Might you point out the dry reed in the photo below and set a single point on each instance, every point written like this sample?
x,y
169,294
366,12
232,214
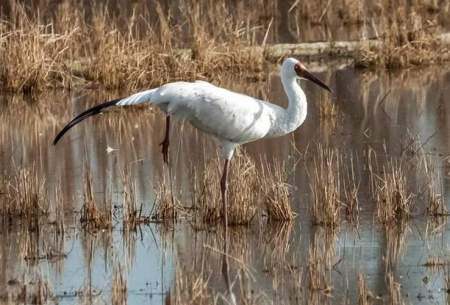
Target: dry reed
x,y
394,290
334,187
67,44
321,259
242,196
396,240
77,44
132,215
408,38
167,206
119,290
365,297
276,190
25,195
190,288
325,187
436,206
92,217
394,201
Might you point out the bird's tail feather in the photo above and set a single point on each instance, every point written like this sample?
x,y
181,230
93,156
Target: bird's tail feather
x,y
84,115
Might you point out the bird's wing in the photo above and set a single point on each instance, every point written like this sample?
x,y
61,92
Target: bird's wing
x,y
225,114
137,98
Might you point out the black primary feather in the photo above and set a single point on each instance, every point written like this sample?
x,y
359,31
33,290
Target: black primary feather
x,y
84,115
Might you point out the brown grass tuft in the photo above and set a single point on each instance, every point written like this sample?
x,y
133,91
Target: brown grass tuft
x,y
394,201
394,290
119,293
276,190
365,297
167,206
92,217
190,288
76,44
132,215
436,206
334,187
243,191
325,187
407,38
25,195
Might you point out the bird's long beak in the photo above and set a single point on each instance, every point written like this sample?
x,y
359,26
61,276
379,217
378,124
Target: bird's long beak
x,y
306,74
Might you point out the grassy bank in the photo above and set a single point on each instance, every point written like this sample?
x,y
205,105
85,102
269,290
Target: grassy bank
x,y
144,45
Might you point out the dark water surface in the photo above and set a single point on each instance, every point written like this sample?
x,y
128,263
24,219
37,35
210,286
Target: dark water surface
x,y
395,115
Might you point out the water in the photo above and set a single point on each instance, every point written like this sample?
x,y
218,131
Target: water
x,y
392,114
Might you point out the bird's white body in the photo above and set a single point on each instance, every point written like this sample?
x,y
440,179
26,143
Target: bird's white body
x,y
232,118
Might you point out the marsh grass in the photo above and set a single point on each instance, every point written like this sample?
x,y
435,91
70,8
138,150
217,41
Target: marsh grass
x,y
31,53
390,190
69,44
35,290
243,191
25,195
365,297
408,38
434,189
133,216
93,217
277,237
325,187
191,287
394,290
334,187
321,259
328,111
75,45
396,240
119,289
167,206
435,262
276,191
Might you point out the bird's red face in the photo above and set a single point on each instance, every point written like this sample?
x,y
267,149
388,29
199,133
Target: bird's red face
x,y
302,72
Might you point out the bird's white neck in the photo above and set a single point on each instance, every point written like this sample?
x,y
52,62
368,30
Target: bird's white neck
x,y
295,114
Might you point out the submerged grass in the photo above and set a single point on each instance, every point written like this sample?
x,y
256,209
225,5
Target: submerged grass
x,y
394,201
190,287
92,216
277,194
325,188
394,290
365,297
334,187
390,189
243,191
119,290
25,195
133,216
167,206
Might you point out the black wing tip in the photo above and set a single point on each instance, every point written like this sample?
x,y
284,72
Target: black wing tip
x,y
56,140
84,115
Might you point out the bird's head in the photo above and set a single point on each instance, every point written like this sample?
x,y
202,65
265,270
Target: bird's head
x,y
292,68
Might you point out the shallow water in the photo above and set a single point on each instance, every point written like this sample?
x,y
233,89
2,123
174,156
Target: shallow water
x,y
392,114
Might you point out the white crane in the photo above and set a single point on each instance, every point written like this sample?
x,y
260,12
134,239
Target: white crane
x,y
231,118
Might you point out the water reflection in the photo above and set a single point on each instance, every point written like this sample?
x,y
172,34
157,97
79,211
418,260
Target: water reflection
x,y
294,263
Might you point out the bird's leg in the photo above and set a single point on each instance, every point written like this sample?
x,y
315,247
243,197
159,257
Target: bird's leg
x,y
223,188
166,141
